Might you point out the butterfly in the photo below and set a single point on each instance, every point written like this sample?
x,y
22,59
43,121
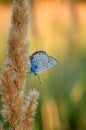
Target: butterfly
x,y
40,62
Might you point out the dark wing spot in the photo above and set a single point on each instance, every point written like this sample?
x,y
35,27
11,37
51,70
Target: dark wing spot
x,y
36,67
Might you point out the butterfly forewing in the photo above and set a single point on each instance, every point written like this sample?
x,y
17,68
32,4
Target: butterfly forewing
x,y
40,62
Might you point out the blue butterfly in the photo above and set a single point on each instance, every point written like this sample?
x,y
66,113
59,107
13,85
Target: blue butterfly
x,y
40,62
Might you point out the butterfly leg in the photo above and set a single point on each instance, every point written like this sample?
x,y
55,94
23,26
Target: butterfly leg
x,y
39,79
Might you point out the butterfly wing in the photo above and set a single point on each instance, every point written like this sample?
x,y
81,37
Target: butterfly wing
x,y
40,62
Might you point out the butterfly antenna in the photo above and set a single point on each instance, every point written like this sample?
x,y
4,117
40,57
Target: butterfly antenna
x,y
39,79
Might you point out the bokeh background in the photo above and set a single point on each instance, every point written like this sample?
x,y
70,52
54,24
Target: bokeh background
x,y
59,28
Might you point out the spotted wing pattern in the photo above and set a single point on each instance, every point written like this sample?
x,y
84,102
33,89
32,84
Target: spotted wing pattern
x,y
41,61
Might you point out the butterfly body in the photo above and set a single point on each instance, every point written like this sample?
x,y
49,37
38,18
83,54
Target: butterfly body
x,y
41,62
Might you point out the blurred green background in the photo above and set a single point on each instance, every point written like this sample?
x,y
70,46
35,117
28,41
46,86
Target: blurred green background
x,y
59,28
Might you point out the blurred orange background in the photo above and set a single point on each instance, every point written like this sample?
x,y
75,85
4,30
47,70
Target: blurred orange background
x,y
59,28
